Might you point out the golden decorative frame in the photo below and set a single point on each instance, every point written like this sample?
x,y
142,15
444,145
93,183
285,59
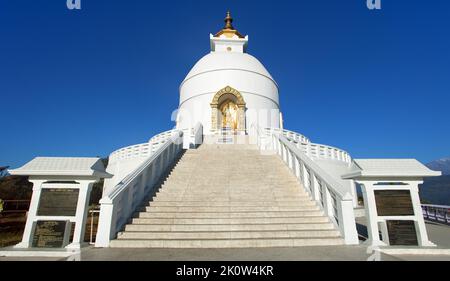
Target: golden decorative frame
x,y
239,102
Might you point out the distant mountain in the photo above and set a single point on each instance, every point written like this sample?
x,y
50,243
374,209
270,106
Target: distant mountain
x,y
442,165
436,190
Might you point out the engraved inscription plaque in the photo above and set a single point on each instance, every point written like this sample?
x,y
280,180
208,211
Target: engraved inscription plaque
x,y
394,203
58,202
49,234
402,232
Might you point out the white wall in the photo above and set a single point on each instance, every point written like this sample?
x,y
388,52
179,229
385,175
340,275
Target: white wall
x,y
260,94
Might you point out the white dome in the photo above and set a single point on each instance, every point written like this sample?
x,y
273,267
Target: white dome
x,y
228,66
228,61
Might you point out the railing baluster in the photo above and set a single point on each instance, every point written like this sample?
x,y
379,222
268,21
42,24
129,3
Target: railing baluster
x,y
436,213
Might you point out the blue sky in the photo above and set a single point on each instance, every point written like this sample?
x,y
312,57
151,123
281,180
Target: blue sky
x,y
86,82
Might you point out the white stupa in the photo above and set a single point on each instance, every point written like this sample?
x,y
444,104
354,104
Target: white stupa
x,y
180,190
229,88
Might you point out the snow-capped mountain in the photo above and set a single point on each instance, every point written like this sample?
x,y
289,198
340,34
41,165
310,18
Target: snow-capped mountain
x,y
442,165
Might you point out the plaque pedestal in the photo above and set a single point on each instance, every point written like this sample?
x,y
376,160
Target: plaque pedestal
x,y
60,200
378,223
391,200
78,216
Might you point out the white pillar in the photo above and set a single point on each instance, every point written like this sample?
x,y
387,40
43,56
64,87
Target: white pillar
x,y
31,217
371,214
347,220
81,214
106,223
422,235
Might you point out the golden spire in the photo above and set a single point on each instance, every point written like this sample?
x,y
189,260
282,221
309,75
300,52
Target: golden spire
x,y
228,21
228,30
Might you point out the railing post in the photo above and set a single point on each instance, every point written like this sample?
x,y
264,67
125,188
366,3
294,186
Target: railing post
x,y
307,181
290,160
152,176
301,172
347,223
327,201
284,153
314,187
106,223
142,184
297,167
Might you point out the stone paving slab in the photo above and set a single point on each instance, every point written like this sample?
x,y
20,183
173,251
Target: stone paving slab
x,y
315,253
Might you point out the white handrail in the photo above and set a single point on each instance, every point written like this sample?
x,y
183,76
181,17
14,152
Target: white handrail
x,y
289,134
313,150
324,189
142,149
437,206
119,204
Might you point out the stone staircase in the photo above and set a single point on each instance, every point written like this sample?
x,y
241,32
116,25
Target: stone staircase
x,y
229,196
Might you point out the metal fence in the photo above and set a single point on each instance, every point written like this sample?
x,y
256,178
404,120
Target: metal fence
x,y
436,213
93,225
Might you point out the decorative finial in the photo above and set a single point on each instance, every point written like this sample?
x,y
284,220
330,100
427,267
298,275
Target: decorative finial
x,y
228,21
229,31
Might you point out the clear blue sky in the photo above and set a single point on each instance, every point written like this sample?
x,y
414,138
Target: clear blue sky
x,y
84,83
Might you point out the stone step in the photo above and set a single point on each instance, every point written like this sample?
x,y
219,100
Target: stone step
x,y
310,219
220,215
232,196
237,203
236,189
225,243
184,170
241,189
227,208
213,199
229,227
228,234
224,195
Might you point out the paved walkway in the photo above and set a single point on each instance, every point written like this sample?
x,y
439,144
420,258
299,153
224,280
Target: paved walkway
x,y
316,253
322,253
439,234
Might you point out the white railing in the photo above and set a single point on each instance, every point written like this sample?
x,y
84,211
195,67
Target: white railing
x,y
288,134
132,151
141,150
313,150
193,136
119,204
437,213
331,196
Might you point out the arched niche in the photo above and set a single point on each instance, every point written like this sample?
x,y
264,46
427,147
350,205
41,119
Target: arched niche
x,y
230,97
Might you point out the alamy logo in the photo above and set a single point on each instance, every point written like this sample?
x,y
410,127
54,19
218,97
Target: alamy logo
x,y
374,4
74,4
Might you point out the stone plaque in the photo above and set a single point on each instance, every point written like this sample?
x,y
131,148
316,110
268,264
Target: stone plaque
x,y
402,233
394,203
58,202
49,234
